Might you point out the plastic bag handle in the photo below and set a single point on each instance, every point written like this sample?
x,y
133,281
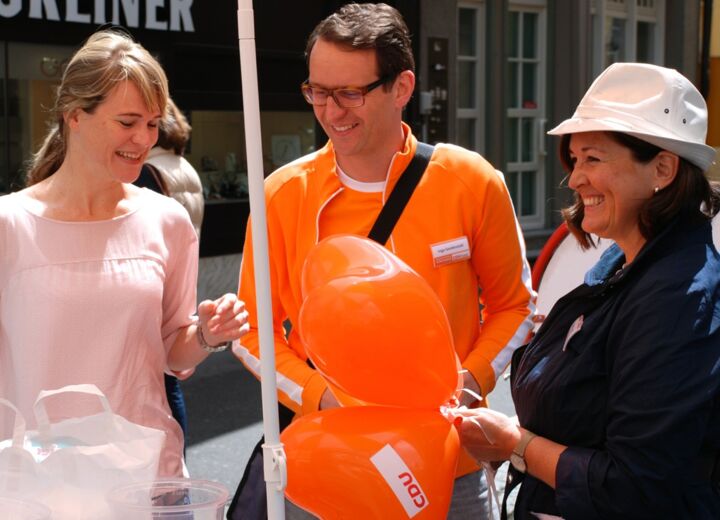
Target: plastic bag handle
x,y
41,415
18,438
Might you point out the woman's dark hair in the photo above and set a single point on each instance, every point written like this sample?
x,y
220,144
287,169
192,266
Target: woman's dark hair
x,y
376,27
690,197
174,131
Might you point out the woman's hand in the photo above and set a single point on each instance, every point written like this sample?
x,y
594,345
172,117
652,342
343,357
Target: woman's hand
x,y
220,321
487,435
224,319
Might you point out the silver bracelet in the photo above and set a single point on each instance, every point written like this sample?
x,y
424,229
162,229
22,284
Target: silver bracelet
x,y
205,345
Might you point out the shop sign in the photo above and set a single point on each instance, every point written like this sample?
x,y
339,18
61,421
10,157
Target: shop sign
x,y
159,15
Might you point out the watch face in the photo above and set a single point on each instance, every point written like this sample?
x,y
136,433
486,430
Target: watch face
x,y
518,462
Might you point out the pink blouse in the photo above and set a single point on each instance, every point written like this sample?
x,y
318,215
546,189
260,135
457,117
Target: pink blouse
x,y
96,302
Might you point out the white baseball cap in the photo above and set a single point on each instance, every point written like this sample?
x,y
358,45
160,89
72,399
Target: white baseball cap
x,y
652,103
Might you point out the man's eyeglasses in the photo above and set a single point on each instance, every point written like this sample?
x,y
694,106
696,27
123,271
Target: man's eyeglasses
x,y
345,97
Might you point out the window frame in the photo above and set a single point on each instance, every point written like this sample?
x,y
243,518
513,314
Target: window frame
x,y
538,114
632,13
475,114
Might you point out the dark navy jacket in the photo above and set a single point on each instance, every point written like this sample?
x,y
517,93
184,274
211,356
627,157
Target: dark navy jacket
x,y
625,371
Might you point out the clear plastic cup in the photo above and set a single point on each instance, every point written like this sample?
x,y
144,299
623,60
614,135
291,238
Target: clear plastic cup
x,y
170,499
20,509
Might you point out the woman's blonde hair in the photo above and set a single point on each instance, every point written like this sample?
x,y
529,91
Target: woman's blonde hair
x,y
107,58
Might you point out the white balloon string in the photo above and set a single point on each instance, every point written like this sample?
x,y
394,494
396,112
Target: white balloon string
x,y
474,394
494,495
451,413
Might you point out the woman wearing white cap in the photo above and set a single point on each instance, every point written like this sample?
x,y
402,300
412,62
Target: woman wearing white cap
x,y
618,394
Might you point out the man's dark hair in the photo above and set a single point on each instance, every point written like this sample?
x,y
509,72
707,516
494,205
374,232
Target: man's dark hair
x,y
690,197
369,26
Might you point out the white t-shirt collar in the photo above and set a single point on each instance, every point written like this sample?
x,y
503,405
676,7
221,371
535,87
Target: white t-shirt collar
x,y
353,184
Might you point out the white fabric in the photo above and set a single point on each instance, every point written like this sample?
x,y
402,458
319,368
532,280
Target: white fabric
x,y
182,181
363,187
566,270
96,302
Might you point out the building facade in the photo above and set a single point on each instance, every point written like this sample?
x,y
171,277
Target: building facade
x,y
493,76
515,69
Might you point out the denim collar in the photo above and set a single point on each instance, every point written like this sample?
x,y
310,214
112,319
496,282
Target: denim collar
x,y
609,263
610,266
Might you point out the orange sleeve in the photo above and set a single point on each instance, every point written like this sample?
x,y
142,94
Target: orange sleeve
x,y
299,386
506,296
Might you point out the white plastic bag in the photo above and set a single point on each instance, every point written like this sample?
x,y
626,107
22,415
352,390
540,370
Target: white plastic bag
x,y
73,463
18,469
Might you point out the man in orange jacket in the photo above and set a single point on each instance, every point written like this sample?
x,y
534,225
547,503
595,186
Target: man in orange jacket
x,y
360,79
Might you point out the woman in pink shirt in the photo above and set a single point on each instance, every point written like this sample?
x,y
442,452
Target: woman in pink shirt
x,y
97,276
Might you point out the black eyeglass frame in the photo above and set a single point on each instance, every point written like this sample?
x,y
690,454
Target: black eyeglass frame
x,y
306,86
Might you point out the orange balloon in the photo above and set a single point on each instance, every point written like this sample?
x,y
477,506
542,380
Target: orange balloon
x,y
378,331
338,256
460,381
343,398
372,462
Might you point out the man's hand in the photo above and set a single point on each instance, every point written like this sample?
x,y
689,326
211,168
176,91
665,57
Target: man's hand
x,y
469,383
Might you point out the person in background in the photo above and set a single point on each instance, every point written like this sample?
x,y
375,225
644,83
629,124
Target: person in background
x,y
618,394
168,172
97,276
361,77
181,180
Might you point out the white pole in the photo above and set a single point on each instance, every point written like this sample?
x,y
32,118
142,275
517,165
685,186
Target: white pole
x,y
273,453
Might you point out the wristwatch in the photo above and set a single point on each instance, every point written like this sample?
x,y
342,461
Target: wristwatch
x,y
517,457
207,347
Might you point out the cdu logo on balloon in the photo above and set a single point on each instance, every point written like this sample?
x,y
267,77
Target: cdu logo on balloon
x,y
401,480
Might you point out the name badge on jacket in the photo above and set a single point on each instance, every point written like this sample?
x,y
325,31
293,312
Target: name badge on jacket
x,y
450,251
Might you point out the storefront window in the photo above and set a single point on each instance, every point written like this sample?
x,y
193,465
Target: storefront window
x,y
33,73
200,57
217,147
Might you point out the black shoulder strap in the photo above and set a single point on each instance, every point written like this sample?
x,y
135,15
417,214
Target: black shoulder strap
x,y
401,193
151,178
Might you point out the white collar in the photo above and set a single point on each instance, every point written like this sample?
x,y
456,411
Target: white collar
x,y
353,184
